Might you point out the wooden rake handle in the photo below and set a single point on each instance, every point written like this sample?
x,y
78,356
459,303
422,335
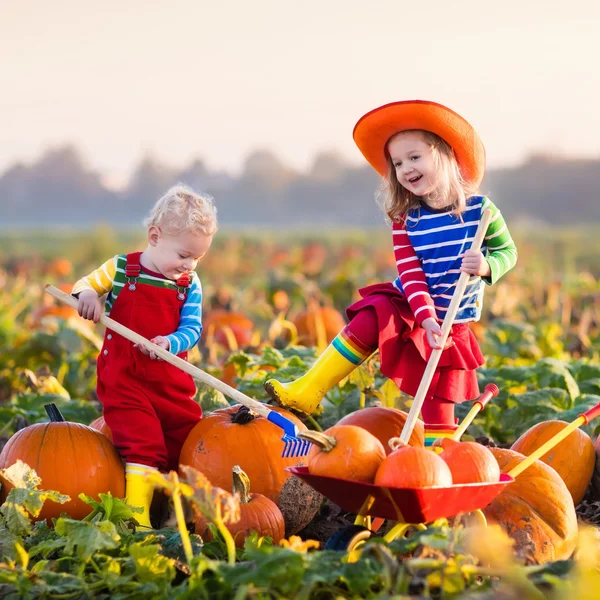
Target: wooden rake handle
x,y
167,356
434,358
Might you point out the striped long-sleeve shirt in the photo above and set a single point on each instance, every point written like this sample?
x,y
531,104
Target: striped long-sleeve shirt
x,y
429,246
110,278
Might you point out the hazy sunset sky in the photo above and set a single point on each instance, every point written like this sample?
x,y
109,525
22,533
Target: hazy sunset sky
x,y
214,80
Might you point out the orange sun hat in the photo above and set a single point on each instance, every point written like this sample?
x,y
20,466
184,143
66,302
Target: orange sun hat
x,y
374,129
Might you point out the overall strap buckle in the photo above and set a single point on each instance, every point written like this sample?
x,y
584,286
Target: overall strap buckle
x,y
132,270
182,284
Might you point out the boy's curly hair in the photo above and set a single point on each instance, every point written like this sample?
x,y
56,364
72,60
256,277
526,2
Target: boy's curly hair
x,y
181,209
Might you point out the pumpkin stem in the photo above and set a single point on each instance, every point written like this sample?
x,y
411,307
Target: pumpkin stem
x,y
325,442
243,416
241,484
53,413
395,443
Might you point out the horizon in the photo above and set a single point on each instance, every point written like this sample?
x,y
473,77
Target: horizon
x,y
123,81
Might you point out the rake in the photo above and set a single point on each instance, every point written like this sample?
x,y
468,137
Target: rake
x,y
292,444
436,354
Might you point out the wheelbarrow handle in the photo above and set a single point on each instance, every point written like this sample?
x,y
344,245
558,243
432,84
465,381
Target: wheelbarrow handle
x,y
582,419
434,358
167,356
491,391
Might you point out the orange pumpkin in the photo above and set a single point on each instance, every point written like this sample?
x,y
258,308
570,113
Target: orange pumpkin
x,y
573,458
469,462
345,452
315,319
536,510
70,458
229,329
413,467
257,513
100,425
234,436
384,424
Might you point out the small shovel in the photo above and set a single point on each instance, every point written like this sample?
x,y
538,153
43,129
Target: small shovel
x,y
293,445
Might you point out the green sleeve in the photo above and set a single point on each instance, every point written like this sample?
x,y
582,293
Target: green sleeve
x,y
501,250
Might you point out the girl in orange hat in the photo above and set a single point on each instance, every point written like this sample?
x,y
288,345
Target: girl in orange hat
x,y
432,162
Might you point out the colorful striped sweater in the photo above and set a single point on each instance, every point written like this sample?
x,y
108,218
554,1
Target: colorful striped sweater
x,y
110,278
429,246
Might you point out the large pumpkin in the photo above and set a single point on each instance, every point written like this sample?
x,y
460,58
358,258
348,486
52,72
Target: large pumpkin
x,y
70,458
100,425
234,436
536,510
257,513
573,458
385,423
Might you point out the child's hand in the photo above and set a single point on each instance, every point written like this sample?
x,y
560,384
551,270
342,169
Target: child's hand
x,y
474,263
159,340
89,305
434,331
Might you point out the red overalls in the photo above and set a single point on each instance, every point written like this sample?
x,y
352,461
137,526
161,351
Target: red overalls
x,y
148,404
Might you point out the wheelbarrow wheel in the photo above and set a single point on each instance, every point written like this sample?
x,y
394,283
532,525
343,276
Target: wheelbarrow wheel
x,y
348,538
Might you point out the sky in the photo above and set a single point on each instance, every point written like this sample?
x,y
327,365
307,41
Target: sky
x,y
186,79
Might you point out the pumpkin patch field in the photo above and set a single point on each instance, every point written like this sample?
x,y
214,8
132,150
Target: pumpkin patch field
x,y
233,521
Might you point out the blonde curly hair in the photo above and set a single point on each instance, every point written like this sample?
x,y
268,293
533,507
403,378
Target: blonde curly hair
x,y
181,209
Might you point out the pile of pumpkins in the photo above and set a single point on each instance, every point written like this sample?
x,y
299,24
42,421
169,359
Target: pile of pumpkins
x,y
537,509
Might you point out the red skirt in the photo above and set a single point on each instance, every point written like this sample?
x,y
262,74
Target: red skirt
x,y
404,351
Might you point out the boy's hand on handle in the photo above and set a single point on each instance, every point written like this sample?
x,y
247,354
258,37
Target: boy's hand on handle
x,y
89,305
433,331
474,263
159,340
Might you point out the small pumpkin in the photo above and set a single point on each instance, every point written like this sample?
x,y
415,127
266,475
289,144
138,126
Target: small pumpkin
x,y
229,329
384,423
413,467
100,425
536,510
317,322
573,458
235,436
345,452
469,462
70,458
257,513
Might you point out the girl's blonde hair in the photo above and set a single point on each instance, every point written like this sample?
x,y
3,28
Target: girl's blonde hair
x,y
181,210
396,200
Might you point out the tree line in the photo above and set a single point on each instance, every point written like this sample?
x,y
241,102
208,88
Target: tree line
x,y
60,189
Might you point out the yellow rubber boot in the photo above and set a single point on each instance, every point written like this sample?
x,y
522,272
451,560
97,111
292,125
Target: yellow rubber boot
x,y
139,491
338,360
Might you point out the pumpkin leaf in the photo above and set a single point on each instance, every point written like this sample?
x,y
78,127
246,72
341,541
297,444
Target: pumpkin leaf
x,y
211,399
85,538
17,519
25,498
553,373
150,566
590,386
7,543
21,475
109,508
